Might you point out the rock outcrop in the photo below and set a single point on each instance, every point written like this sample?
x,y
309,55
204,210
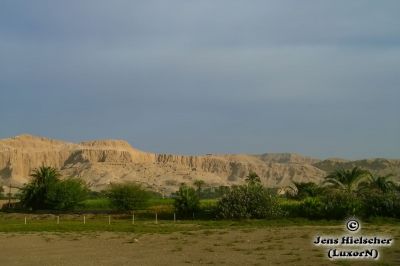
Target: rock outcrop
x,y
103,161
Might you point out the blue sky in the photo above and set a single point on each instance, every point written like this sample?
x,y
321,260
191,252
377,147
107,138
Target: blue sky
x,y
321,78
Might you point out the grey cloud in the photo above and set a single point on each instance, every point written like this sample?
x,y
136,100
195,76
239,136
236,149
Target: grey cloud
x,y
315,77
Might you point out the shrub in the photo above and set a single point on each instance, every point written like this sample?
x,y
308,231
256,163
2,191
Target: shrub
x,y
333,205
66,194
290,207
313,208
47,192
186,201
381,204
340,205
128,196
248,201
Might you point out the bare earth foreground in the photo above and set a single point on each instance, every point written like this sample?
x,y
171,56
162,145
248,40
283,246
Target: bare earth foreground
x,y
286,245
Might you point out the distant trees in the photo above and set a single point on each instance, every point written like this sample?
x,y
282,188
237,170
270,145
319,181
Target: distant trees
x,y
209,192
46,191
252,178
199,184
128,196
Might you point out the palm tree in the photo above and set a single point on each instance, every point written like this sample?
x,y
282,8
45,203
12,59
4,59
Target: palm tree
x,y
34,194
346,180
305,189
44,175
253,178
379,183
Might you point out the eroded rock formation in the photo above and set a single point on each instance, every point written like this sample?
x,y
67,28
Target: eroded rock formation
x,y
103,161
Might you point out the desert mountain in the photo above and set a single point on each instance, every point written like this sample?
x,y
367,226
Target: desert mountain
x,y
103,161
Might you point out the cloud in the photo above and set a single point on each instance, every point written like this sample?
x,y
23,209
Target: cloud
x,y
242,76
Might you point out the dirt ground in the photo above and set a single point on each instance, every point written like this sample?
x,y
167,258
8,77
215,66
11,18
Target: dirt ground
x,y
256,246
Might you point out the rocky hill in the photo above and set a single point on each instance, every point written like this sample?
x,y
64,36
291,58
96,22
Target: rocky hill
x,y
103,161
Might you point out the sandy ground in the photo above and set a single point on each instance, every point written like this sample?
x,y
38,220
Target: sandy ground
x,y
261,246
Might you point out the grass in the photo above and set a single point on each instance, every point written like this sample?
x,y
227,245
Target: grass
x,y
166,204
123,223
96,204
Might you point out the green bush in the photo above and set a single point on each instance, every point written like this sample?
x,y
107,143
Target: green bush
x,y
340,205
66,194
248,201
381,204
333,205
186,201
290,207
128,196
47,192
312,208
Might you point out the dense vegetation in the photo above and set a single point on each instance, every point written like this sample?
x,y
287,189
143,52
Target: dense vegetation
x,y
251,200
344,193
46,191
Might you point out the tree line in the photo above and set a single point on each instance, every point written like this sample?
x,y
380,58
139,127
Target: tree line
x,y
343,193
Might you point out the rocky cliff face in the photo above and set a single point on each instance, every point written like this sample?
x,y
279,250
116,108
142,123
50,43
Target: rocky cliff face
x,y
103,161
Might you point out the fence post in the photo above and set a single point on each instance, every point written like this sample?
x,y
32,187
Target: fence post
x,y
133,218
84,219
174,217
25,219
58,219
156,219
109,219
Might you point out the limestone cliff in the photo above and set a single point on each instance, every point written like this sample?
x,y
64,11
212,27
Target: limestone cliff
x,y
103,161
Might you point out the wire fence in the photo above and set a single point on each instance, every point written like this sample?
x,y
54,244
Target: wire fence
x,y
132,218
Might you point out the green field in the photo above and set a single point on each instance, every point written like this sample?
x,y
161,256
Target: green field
x,y
147,224
154,203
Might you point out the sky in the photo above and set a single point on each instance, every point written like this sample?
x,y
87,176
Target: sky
x,y
320,78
